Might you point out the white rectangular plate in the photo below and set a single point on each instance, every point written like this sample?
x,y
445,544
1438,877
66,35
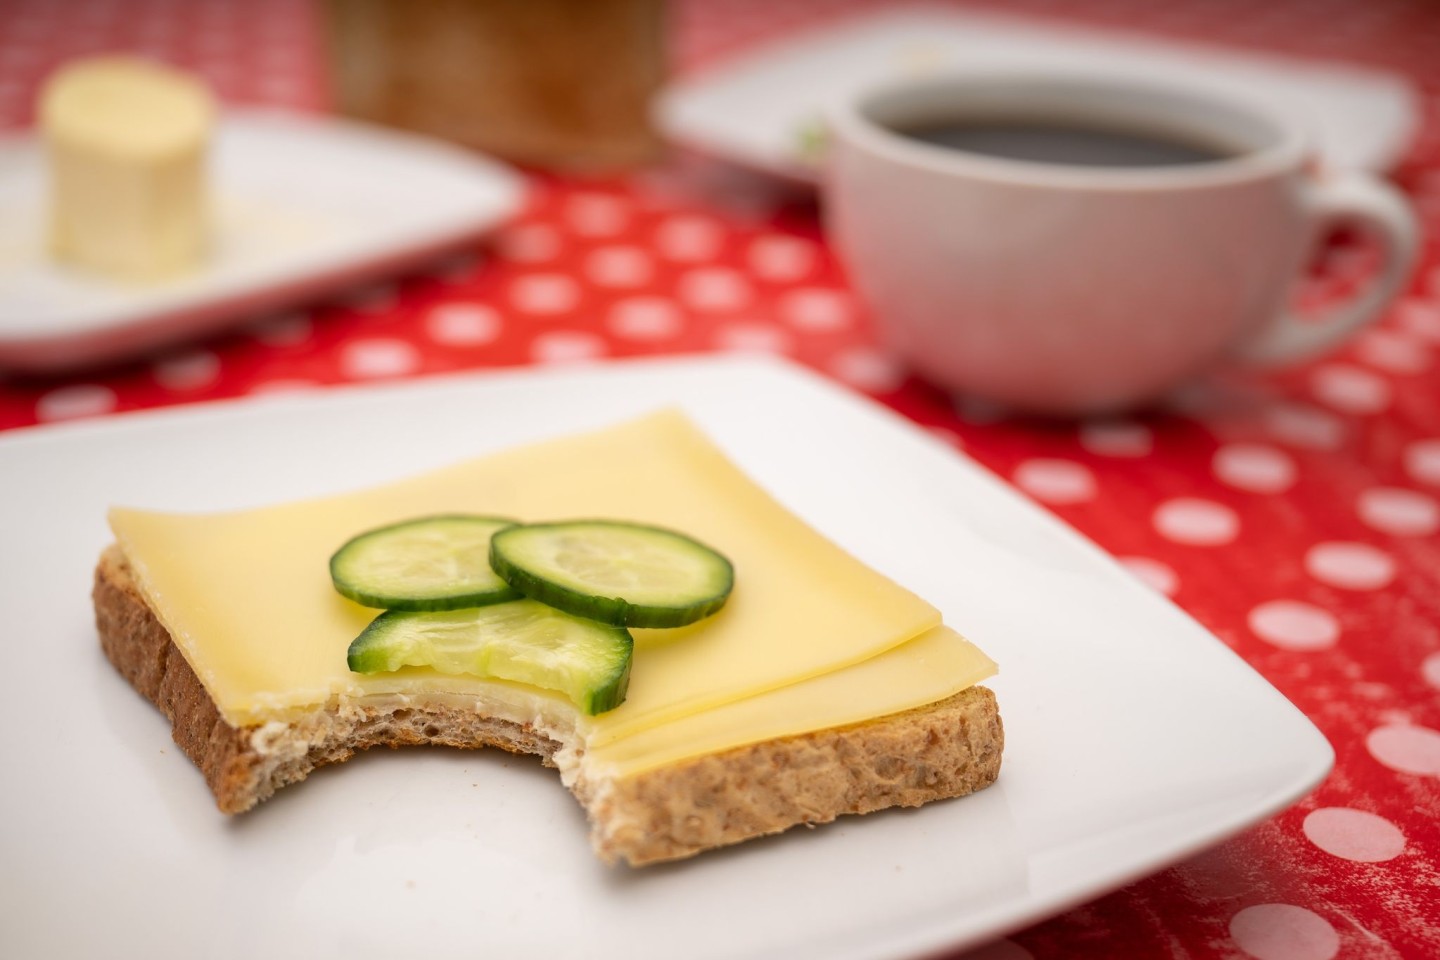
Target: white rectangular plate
x,y
1134,737
755,109
302,205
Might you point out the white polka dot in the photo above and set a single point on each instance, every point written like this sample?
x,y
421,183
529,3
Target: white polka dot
x,y
619,267
817,309
544,293
1280,931
463,324
645,318
1116,438
372,359
998,950
715,288
80,400
1292,625
1401,513
1350,389
372,300
1305,426
285,330
189,371
752,338
1406,748
567,346
529,243
1353,566
1200,523
1254,468
781,258
1422,461
1055,481
1154,574
1430,670
868,370
596,214
1420,319
1392,352
688,239
1354,834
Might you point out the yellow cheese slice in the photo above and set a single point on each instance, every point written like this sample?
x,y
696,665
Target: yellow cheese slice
x,y
126,141
931,667
247,595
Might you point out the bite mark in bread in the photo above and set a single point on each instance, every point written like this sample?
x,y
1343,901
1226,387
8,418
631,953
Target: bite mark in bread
x,y
941,750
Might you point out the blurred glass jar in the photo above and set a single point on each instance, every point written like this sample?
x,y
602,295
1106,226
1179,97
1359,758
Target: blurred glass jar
x,y
560,84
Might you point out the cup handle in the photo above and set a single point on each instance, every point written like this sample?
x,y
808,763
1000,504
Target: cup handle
x,y
1376,208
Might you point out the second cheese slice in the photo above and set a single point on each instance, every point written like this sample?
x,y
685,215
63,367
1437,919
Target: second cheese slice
x,y
931,667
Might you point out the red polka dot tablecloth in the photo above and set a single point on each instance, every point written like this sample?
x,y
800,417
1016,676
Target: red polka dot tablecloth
x,y
1296,516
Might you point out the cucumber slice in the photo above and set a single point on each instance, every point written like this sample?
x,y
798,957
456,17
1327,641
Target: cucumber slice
x,y
624,574
521,640
431,563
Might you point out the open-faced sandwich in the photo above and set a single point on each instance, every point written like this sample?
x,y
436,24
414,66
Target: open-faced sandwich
x,y
700,665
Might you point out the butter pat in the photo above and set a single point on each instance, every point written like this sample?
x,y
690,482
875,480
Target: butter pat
x,y
126,141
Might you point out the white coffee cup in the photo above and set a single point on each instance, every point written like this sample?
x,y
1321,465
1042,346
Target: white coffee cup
x,y
1074,289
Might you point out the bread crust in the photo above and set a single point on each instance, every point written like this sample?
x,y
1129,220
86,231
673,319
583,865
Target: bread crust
x,y
941,750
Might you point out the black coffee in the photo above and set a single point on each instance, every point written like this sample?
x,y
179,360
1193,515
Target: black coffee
x,y
1064,143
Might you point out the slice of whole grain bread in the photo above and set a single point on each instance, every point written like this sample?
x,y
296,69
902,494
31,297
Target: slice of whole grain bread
x,y
944,749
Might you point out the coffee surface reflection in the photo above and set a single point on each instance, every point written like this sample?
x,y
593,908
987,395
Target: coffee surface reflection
x,y
1064,142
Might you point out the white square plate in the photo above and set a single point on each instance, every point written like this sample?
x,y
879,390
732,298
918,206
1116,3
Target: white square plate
x,y
303,206
756,108
1134,737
